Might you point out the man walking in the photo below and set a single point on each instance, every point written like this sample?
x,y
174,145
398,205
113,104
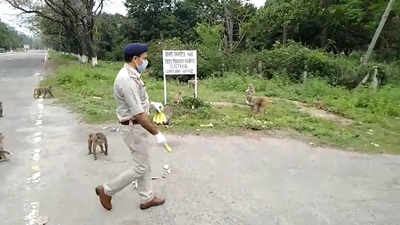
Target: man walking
x,y
136,129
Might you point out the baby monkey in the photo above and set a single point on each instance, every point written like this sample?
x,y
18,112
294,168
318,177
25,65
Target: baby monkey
x,y
257,103
97,139
3,152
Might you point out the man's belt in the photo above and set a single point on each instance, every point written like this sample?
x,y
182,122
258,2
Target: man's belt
x,y
126,123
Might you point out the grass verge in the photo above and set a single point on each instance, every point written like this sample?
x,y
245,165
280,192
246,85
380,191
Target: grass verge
x,y
376,115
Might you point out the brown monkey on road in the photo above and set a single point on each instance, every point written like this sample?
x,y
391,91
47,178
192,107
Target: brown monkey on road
x,y
97,139
46,91
3,152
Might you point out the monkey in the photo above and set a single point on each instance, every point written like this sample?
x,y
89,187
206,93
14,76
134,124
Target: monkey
x,y
97,139
47,91
3,152
178,98
257,103
1,109
169,112
38,92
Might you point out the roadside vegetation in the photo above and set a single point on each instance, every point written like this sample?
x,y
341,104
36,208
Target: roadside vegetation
x,y
375,115
309,57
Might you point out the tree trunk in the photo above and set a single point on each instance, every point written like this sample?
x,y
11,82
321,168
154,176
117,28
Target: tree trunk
x,y
94,61
260,67
323,4
324,36
226,44
90,47
375,82
364,80
305,74
91,42
228,27
378,32
85,59
285,34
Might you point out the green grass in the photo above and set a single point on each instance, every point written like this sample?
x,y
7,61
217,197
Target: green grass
x,y
376,114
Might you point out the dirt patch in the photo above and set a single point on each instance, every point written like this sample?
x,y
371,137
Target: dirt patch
x,y
321,113
228,104
301,106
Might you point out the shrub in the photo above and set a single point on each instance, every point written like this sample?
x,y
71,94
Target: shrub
x,y
193,103
293,59
244,62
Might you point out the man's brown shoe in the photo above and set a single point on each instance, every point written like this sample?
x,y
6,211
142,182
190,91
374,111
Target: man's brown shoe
x,y
105,200
154,202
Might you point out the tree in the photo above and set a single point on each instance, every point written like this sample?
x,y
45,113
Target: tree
x,y
111,35
337,26
378,31
9,38
160,19
77,17
236,14
149,18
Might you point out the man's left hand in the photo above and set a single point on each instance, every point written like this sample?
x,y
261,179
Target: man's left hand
x,y
157,106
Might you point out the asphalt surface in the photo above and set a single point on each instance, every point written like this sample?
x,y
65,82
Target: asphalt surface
x,y
214,179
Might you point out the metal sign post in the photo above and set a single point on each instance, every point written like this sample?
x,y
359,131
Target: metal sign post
x,y
165,89
195,85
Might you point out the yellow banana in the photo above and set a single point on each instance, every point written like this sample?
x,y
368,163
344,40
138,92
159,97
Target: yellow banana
x,y
156,118
167,148
159,118
163,118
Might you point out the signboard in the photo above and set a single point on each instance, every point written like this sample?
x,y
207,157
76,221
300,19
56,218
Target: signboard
x,y
179,62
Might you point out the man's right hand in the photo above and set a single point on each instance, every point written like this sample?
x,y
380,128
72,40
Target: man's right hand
x,y
149,126
160,138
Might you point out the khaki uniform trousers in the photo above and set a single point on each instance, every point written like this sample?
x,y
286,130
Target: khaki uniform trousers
x,y
139,142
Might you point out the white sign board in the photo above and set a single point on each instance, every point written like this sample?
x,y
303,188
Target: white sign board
x,y
179,62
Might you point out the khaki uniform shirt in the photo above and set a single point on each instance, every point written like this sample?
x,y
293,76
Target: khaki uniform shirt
x,y
130,94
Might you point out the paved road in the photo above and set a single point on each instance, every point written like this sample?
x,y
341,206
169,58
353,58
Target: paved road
x,y
215,180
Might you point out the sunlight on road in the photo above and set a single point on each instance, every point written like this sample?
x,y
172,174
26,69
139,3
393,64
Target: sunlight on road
x,y
32,208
